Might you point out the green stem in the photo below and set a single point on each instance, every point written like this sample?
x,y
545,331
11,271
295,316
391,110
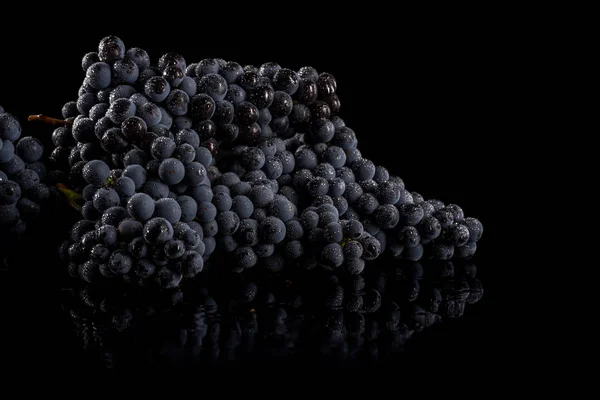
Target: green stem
x,y
73,197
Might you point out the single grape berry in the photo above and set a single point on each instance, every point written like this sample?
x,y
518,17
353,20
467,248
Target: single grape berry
x,y
29,149
326,84
411,214
366,204
245,257
174,248
253,159
272,230
174,75
185,153
167,278
386,216
371,247
98,111
106,235
246,113
286,80
261,195
319,109
157,231
10,192
157,89
213,85
409,236
171,60
294,249
465,251
231,71
119,92
171,171
120,110
445,217
150,113
163,148
212,145
177,102
282,104
96,172
124,187
442,251
7,151
141,206
206,129
333,232
307,91
457,212
124,71
352,250
457,234
87,60
281,208
133,128
228,222
207,66
308,73
475,229
268,69
98,75
317,186
111,49
332,255
168,209
140,57
105,198
190,263
261,95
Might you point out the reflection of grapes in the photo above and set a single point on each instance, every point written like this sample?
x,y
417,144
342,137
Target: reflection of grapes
x,y
270,318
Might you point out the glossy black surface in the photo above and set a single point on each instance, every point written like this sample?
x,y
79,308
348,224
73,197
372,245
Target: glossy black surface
x,y
262,318
395,312
433,124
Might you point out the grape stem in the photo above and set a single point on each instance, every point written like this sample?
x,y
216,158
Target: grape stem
x,y
73,197
49,120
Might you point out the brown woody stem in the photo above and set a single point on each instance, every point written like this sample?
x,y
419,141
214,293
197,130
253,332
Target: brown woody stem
x,y
48,120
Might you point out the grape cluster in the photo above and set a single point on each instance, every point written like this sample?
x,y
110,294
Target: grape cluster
x,y
256,160
135,228
268,191
375,208
308,201
22,192
266,317
125,103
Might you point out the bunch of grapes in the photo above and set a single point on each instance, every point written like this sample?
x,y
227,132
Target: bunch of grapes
x,y
22,192
262,316
133,229
255,160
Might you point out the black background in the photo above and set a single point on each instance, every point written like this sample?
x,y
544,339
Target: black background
x,y
429,102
